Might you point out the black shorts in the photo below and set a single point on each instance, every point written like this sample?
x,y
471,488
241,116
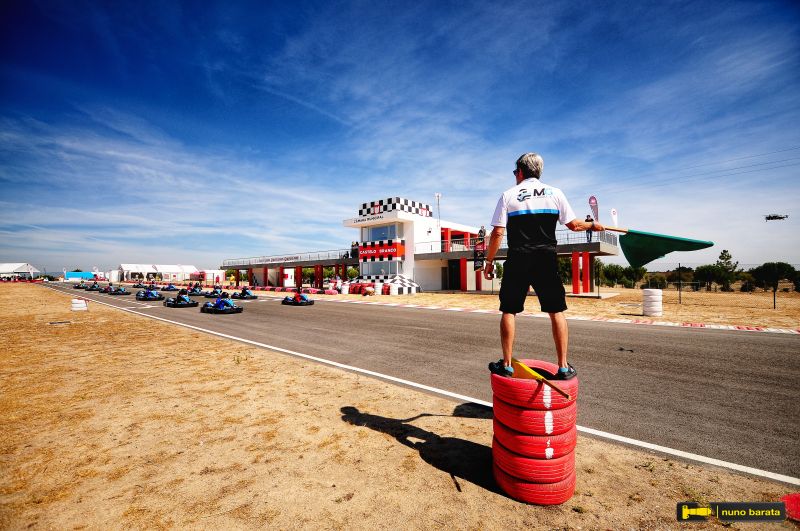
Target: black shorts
x,y
538,269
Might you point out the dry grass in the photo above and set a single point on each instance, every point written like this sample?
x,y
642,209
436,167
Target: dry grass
x,y
103,426
748,309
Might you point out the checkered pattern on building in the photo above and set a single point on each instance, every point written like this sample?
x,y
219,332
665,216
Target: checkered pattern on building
x,y
405,286
381,243
395,203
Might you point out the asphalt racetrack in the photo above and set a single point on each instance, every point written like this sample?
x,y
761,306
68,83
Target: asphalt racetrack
x,y
728,395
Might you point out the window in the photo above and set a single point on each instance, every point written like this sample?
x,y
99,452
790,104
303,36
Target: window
x,y
382,232
388,267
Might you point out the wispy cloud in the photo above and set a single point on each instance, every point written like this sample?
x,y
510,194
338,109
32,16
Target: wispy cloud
x,y
261,134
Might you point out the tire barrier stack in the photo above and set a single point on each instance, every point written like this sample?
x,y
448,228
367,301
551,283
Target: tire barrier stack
x,y
535,434
80,305
651,302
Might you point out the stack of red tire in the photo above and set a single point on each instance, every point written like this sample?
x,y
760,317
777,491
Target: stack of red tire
x,y
535,433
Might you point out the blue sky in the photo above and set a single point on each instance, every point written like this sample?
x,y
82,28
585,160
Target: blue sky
x,y
167,132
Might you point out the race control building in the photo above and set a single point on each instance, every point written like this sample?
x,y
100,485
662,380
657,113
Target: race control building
x,y
400,238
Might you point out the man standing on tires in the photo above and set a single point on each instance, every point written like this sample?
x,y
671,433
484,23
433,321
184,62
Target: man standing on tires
x,y
530,211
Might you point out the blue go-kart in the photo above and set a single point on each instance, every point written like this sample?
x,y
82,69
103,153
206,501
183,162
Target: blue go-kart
x,y
82,285
245,294
93,287
221,305
139,285
119,291
215,293
298,299
170,287
149,295
181,301
196,291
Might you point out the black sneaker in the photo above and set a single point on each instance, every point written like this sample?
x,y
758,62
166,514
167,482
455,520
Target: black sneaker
x,y
568,374
499,368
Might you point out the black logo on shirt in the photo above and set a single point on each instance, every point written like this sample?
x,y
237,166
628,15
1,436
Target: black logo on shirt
x,y
525,194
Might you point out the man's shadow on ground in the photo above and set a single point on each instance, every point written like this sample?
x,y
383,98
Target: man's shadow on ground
x,y
460,458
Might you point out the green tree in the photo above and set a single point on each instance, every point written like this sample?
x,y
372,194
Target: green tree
x,y
684,274
726,270
565,269
770,273
77,271
352,273
634,274
498,269
613,273
327,272
599,277
656,281
705,275
748,281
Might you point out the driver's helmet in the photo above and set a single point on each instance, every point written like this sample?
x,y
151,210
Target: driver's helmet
x,y
183,291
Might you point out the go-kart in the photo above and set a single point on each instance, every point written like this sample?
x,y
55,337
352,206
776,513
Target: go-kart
x,y
93,287
181,301
245,294
107,289
139,285
119,291
82,285
216,293
149,295
196,291
221,305
298,299
170,287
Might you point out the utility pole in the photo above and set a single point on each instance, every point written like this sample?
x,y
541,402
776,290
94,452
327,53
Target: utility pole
x,y
438,196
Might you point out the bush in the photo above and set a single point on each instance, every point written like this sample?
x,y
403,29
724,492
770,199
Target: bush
x,y
655,282
627,283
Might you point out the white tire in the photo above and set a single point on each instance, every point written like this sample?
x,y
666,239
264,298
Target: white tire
x,y
651,292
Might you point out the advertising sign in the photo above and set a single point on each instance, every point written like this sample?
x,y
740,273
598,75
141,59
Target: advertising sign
x,y
371,251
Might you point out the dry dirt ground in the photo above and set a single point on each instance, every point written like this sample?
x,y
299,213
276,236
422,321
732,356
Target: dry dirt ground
x,y
112,420
747,309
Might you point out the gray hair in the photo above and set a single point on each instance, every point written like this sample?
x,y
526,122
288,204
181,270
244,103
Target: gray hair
x,y
531,165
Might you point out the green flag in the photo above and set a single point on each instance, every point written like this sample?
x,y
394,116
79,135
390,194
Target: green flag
x,y
641,248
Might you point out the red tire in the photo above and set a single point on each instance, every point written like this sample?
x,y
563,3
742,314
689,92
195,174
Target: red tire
x,y
536,422
532,394
538,493
536,446
533,470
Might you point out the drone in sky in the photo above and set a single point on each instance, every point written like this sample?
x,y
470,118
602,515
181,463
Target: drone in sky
x,y
774,217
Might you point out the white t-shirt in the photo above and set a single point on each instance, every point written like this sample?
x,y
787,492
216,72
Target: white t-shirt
x,y
529,211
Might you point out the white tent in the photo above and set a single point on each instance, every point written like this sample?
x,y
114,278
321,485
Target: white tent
x,y
131,271
155,271
18,269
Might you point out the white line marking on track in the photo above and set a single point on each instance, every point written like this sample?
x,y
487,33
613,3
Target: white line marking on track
x,y
591,431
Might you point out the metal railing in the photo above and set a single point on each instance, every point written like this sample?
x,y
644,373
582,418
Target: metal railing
x,y
465,244
334,254
563,237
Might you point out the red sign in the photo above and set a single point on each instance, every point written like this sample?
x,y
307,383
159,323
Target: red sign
x,y
382,252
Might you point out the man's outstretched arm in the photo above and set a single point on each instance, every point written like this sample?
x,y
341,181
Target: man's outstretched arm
x,y
580,226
